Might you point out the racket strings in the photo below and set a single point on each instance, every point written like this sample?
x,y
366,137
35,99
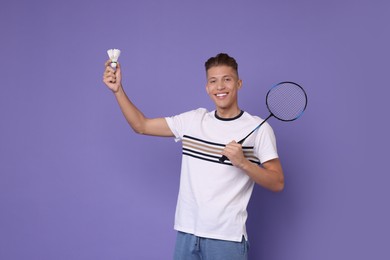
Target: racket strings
x,y
286,101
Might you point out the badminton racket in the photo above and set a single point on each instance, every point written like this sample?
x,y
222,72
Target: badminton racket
x,y
285,101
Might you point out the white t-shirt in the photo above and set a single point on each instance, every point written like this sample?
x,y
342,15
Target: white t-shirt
x,y
213,196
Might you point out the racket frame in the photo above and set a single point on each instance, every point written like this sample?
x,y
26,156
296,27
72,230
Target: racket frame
x,y
224,158
275,86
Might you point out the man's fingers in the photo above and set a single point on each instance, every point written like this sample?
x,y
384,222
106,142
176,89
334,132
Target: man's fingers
x,y
111,76
231,148
110,79
109,70
233,144
107,64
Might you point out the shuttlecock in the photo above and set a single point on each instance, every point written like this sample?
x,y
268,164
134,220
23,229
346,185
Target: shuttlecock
x,y
114,55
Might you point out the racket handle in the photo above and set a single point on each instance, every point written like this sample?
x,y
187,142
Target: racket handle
x,y
222,159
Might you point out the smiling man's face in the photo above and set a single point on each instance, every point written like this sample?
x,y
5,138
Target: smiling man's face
x,y
222,86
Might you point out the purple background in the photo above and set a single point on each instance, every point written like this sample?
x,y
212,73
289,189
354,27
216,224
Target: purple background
x,y
77,183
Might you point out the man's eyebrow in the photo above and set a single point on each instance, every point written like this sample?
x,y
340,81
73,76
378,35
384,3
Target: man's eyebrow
x,y
223,76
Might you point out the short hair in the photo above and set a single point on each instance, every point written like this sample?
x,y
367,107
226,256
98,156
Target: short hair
x,y
221,59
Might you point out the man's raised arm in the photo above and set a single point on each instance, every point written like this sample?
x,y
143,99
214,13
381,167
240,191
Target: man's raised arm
x,y
136,119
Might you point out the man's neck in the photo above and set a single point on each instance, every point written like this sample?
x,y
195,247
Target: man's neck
x,y
227,114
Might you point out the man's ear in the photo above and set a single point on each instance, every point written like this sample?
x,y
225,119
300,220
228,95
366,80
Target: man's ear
x,y
239,84
207,90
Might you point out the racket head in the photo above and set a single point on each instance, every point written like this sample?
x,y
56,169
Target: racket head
x,y
286,101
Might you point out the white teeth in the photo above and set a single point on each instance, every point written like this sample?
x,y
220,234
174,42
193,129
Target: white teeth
x,y
221,94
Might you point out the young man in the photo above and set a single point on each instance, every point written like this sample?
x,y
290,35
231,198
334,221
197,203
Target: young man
x,y
213,197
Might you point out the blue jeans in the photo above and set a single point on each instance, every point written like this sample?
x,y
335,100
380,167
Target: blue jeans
x,y
190,247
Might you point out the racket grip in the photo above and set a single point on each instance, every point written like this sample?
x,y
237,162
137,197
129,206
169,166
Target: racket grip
x,y
222,159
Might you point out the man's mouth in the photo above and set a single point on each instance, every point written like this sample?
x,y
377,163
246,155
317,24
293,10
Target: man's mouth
x,y
221,94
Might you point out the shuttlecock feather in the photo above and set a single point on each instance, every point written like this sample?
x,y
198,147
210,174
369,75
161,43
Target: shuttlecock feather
x,y
114,55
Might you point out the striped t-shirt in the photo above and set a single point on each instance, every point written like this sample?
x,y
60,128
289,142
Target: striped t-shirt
x,y
213,196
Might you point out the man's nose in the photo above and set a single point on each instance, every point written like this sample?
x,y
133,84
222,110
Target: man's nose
x,y
220,86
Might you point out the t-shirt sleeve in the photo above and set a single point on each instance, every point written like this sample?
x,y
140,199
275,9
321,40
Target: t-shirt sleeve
x,y
265,146
174,124
180,123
